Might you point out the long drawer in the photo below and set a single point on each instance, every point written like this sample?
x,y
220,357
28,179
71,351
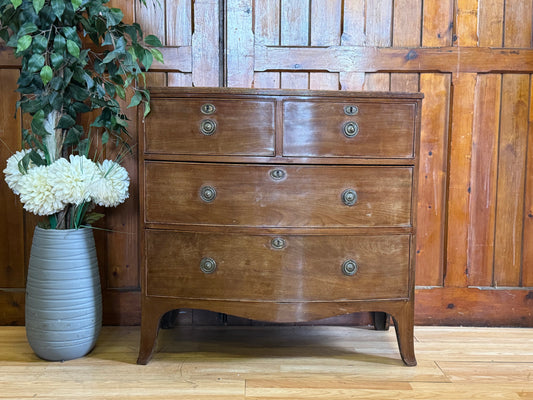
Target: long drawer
x,y
277,195
348,129
211,127
276,268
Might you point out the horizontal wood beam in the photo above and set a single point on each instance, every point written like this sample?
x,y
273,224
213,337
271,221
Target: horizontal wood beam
x,y
177,59
389,59
355,59
474,306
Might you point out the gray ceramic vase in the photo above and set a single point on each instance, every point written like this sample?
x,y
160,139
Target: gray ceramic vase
x,y
63,295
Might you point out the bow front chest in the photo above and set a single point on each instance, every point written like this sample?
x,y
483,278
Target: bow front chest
x,y
279,205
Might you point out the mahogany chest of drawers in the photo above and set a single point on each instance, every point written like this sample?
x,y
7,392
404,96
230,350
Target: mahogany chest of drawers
x,y
278,205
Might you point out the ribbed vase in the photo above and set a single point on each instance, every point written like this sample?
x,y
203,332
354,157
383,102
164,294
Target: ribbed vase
x,y
63,296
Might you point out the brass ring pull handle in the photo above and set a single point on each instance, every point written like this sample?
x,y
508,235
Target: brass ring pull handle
x,y
278,174
351,110
349,197
208,127
278,243
349,267
350,129
208,109
208,265
208,193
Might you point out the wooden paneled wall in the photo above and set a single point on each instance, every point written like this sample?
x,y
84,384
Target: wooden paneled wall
x,y
472,59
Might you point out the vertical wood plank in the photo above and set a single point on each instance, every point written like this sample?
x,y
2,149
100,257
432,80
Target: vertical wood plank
x,y
484,172
438,23
527,257
353,35
518,27
325,31
294,31
458,201
179,23
295,22
490,27
267,33
378,33
466,23
485,137
179,79
12,262
460,153
179,33
406,32
432,178
511,175
205,44
326,22
323,81
121,239
152,18
239,44
437,27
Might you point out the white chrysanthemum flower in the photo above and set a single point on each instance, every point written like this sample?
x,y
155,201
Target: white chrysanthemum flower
x,y
70,181
36,192
12,170
112,188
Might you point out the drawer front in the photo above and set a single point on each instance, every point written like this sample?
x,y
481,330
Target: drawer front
x,y
277,196
210,127
276,268
328,129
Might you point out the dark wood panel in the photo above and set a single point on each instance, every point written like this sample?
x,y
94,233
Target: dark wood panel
x,y
432,179
474,306
483,182
231,127
250,268
458,191
12,262
307,196
511,180
379,129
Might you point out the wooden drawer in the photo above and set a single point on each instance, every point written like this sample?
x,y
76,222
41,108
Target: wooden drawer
x,y
241,127
377,130
251,195
250,268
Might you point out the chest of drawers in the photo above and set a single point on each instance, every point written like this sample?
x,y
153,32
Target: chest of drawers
x,y
278,205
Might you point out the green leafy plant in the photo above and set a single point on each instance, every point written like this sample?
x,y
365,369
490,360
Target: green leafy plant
x,y
76,57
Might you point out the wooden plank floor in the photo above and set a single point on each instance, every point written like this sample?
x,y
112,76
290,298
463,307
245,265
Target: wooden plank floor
x,y
275,363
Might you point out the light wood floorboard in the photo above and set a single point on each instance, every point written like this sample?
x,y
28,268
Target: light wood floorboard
x,y
274,363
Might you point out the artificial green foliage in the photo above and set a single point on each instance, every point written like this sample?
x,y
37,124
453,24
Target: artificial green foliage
x,y
76,57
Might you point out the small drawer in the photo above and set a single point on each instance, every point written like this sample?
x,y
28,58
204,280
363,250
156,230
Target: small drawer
x,y
348,129
210,127
288,268
277,195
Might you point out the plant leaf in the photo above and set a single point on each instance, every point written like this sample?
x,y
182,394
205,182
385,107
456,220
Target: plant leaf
x,y
136,99
66,121
73,48
16,3
35,63
120,91
59,7
23,43
76,4
46,74
152,40
157,55
27,28
38,5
